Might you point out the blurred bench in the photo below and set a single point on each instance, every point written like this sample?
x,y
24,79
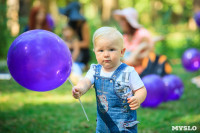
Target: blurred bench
x,y
4,73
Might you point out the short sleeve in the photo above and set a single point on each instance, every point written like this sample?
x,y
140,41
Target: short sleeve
x,y
135,80
90,73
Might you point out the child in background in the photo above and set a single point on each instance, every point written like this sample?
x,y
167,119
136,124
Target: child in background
x,y
119,89
71,39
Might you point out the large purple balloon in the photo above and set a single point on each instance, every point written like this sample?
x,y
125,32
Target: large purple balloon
x,y
174,86
191,59
155,90
39,60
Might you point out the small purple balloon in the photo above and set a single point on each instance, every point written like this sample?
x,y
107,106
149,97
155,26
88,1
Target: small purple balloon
x,y
197,18
50,21
191,59
174,86
39,60
155,90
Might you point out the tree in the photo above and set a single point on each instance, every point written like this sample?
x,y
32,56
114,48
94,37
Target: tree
x,y
4,34
107,7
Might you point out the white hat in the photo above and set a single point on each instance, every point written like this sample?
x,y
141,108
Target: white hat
x,y
131,16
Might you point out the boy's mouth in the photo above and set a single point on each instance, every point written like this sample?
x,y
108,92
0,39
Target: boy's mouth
x,y
107,61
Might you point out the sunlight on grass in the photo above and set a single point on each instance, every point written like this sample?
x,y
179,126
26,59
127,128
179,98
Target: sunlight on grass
x,y
189,119
17,100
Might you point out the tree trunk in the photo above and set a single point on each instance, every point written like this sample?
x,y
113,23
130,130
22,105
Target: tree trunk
x,y
24,11
4,34
107,6
13,17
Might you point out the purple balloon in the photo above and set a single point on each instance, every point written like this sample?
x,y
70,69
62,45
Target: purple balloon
x,y
39,60
197,18
155,90
191,59
50,21
174,86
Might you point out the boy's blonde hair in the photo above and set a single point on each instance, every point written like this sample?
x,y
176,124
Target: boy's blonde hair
x,y
108,33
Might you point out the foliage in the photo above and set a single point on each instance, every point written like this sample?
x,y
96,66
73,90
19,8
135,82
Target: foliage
x,y
167,18
5,37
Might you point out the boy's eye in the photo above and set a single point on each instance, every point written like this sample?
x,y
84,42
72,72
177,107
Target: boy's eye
x,y
100,50
112,49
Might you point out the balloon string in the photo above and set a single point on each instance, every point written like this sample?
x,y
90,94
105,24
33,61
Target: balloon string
x,y
80,102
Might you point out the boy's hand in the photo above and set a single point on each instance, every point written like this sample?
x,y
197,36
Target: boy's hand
x,y
76,92
134,102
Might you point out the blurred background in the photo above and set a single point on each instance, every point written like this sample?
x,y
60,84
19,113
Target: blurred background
x,y
25,111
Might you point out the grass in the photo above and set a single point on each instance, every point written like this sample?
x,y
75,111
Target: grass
x,y
25,111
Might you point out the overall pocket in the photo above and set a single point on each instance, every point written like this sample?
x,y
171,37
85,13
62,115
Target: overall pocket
x,y
122,90
102,103
128,124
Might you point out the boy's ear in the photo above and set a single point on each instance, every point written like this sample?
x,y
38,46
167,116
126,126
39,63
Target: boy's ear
x,y
123,51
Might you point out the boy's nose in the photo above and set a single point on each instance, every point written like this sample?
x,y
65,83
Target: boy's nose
x,y
106,54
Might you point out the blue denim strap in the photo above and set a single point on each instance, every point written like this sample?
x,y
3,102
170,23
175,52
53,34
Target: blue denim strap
x,y
97,69
118,71
115,74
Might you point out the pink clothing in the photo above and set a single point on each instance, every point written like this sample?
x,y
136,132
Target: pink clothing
x,y
138,37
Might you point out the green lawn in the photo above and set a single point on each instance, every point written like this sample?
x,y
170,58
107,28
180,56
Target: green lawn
x,y
25,111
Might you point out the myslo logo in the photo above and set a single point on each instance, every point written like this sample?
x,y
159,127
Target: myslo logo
x,y
184,128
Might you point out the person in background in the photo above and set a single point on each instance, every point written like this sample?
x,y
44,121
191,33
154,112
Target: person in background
x,y
79,24
139,44
71,39
38,19
138,41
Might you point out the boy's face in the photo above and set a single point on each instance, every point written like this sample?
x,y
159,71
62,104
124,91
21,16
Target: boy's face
x,y
108,53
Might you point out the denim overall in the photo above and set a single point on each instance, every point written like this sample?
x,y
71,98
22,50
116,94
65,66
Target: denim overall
x,y
113,111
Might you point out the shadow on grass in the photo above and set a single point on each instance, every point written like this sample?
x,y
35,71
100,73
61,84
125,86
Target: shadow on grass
x,y
11,86
49,118
69,117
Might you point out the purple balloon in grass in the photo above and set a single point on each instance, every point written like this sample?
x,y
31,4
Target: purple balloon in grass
x,y
174,86
197,18
191,59
39,60
155,91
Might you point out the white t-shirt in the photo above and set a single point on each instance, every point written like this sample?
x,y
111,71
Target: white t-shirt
x,y
135,81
